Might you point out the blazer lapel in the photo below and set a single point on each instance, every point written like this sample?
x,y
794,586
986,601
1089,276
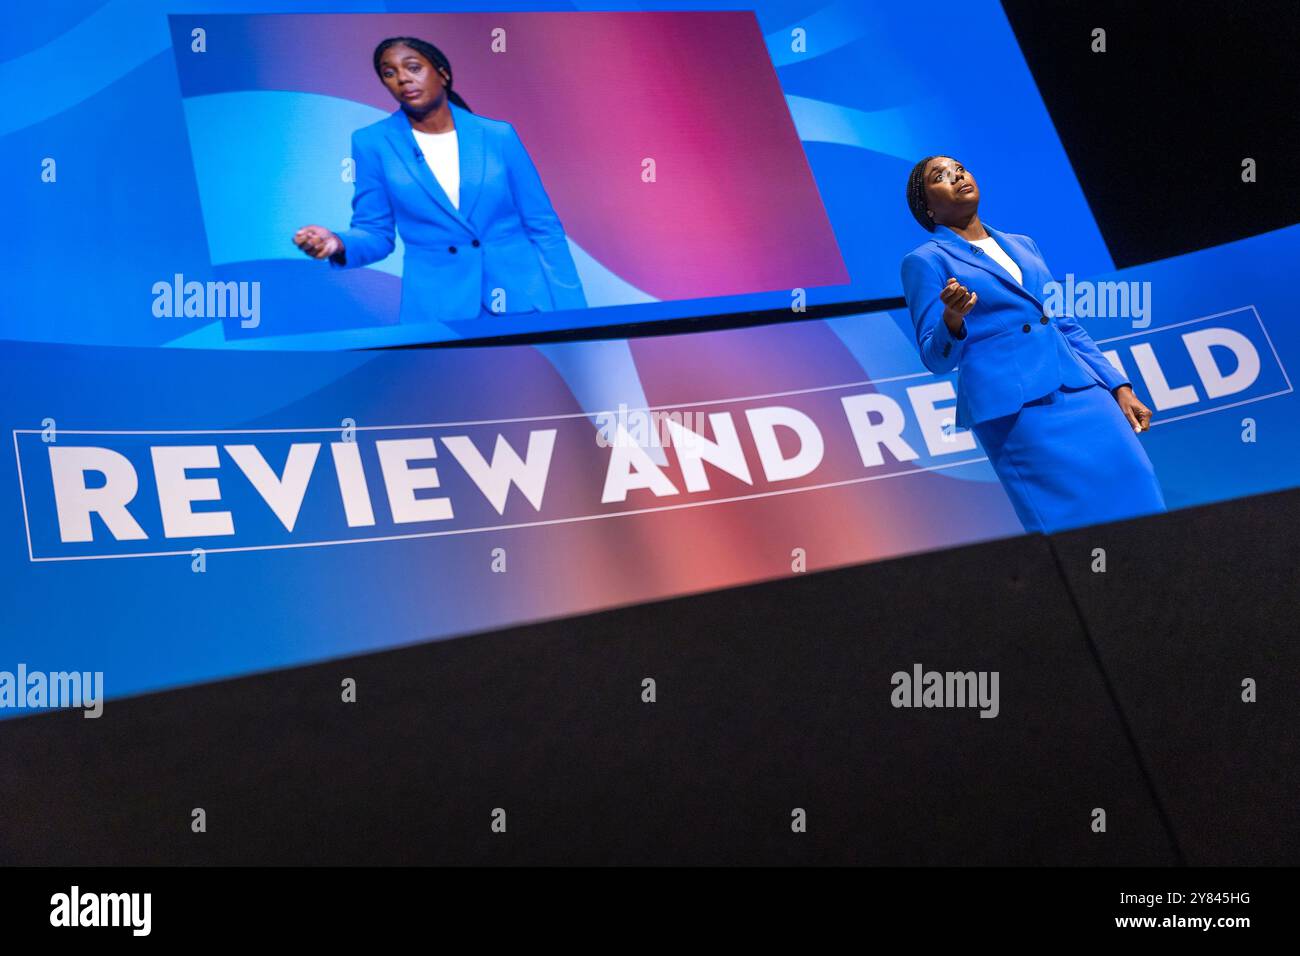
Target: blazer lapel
x,y
403,142
1032,269
469,139
962,249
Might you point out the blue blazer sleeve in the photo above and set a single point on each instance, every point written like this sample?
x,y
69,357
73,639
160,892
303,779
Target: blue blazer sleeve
x,y
1082,342
371,235
543,226
940,350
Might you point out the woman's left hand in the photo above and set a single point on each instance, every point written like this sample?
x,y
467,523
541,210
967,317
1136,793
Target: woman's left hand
x,y
1138,415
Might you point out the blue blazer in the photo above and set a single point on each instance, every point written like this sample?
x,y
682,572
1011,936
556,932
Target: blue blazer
x,y
1013,352
505,235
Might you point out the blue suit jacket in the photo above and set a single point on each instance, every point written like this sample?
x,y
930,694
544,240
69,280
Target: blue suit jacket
x,y
1013,352
505,234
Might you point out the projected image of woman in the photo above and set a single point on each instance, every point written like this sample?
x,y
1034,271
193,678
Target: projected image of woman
x,y
1059,422
481,235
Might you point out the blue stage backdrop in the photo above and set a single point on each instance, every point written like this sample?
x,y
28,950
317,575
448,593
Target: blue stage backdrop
x,y
171,516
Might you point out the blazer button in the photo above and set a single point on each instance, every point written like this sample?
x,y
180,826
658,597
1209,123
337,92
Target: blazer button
x,y
475,243
1043,320
451,248
1025,328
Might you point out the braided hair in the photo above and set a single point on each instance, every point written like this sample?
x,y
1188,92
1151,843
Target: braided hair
x,y
916,195
430,53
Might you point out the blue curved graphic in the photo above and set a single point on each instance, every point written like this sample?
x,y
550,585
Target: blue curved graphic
x,y
106,45
893,132
829,28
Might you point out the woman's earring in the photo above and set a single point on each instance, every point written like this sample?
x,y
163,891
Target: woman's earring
x,y
930,214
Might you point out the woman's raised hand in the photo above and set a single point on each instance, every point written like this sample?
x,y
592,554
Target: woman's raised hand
x,y
957,298
317,241
957,302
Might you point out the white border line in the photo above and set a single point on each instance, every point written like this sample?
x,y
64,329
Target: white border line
x,y
1177,325
22,493
1272,348
483,421
542,418
1218,408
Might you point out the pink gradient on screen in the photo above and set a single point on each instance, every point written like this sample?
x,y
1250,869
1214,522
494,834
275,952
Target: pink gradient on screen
x,y
568,567
734,207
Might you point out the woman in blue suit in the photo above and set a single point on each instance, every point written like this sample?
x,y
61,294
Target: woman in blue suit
x,y
1058,421
481,235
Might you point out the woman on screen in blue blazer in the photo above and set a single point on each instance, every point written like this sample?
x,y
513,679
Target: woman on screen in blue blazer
x,y
481,235
1059,422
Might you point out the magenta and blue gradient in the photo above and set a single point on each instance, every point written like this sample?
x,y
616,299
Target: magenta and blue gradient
x,y
733,207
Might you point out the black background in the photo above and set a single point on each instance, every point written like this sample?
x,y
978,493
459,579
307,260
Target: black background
x,y
1157,126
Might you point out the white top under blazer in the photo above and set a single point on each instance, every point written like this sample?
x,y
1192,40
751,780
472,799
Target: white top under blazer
x,y
999,255
442,153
